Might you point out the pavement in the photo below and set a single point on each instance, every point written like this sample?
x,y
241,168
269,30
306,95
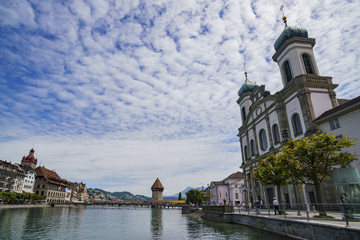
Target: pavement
x,y
306,217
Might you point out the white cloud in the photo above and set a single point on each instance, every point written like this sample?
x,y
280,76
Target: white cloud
x,y
107,90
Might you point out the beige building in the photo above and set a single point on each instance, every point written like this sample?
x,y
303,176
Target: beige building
x,y
51,185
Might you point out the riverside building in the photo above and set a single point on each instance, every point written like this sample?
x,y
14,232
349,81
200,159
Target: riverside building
x,y
305,104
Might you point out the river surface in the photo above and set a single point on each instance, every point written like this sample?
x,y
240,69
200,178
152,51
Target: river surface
x,y
117,223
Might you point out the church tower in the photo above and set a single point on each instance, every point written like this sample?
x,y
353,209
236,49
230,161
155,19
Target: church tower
x,y
301,79
157,190
30,160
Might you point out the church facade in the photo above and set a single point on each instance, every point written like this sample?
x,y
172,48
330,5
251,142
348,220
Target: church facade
x,y
269,120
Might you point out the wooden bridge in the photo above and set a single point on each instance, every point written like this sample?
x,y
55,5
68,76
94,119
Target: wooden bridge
x,y
157,204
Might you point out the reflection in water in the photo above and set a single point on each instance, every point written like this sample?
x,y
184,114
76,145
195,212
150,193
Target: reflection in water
x,y
156,223
38,223
116,223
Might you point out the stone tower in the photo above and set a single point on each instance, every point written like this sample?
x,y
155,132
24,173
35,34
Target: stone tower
x,y
30,160
157,190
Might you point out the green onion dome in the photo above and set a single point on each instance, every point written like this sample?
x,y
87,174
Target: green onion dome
x,y
290,32
248,86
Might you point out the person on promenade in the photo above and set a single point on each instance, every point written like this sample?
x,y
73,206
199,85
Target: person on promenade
x,y
257,206
276,206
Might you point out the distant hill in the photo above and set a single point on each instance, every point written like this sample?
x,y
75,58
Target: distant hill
x,y
100,194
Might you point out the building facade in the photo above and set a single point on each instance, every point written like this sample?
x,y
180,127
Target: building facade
x,y
51,185
269,120
227,191
11,177
343,121
29,179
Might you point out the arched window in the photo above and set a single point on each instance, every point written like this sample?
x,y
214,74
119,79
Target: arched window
x,y
287,71
246,153
296,124
276,133
243,114
252,147
308,64
263,140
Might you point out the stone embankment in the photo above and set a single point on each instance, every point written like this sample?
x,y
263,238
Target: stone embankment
x,y
292,226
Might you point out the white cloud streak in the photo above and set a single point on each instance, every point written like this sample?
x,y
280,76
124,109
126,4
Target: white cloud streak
x,y
117,93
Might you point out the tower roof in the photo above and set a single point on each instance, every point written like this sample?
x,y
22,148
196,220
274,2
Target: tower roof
x,y
290,32
248,86
30,157
157,185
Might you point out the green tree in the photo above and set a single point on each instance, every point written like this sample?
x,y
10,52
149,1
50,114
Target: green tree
x,y
195,196
312,159
179,197
271,172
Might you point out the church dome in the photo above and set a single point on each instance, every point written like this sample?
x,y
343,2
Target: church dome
x,y
248,86
290,32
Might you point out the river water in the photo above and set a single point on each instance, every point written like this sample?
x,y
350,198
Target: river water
x,y
116,223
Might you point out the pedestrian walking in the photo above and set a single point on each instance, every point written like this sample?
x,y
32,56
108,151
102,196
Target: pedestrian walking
x,y
276,206
257,206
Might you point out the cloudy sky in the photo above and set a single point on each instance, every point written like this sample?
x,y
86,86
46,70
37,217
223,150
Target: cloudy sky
x,y
118,93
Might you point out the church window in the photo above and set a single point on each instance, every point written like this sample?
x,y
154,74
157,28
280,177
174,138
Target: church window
x,y
334,124
287,71
252,147
276,133
263,140
296,124
308,64
246,153
243,114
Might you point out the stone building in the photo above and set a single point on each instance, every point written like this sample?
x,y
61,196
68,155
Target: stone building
x,y
11,177
51,185
157,190
79,192
269,120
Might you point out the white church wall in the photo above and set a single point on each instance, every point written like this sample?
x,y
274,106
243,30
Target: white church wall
x,y
262,125
292,107
320,100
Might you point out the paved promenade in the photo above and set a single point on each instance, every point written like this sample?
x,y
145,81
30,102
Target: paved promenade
x,y
293,215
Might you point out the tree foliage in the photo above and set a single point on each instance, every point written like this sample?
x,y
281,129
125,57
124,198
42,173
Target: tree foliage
x,y
12,197
312,159
272,172
196,197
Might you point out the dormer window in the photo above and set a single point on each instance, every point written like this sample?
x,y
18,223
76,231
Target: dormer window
x,y
308,64
287,71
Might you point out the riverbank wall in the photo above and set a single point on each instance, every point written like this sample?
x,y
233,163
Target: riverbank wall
x,y
287,227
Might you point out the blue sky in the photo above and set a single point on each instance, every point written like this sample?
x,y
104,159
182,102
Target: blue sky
x,y
118,93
